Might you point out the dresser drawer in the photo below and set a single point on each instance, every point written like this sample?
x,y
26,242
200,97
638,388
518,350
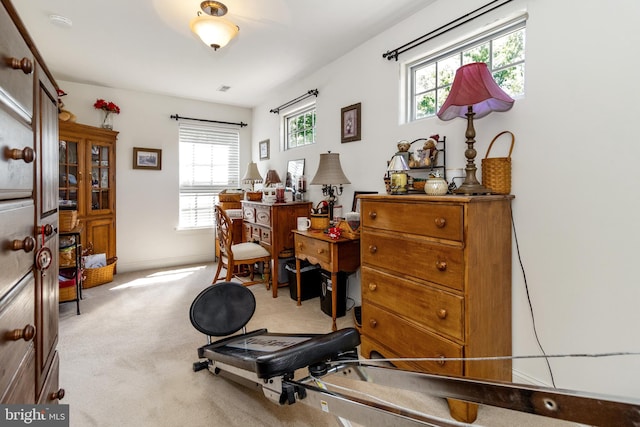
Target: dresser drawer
x,y
16,316
21,390
408,340
435,309
16,227
438,220
16,85
16,175
263,215
50,388
421,258
314,248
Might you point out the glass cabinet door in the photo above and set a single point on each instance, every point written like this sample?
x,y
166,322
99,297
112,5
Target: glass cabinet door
x,y
69,174
101,191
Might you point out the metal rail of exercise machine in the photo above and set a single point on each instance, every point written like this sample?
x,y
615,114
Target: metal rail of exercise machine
x,y
269,361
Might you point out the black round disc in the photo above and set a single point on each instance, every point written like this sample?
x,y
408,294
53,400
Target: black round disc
x,y
222,309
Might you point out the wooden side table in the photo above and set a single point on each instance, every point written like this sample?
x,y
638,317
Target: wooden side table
x,y
342,254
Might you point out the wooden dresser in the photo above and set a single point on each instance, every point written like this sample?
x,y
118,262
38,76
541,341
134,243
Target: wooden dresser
x,y
271,225
436,282
28,220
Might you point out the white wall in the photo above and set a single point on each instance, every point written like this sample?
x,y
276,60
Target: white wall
x,y
573,171
147,201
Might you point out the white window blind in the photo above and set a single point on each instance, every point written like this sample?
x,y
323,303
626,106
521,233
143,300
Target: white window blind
x,y
208,164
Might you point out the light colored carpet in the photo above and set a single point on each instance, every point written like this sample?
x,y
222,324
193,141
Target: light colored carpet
x,y
127,359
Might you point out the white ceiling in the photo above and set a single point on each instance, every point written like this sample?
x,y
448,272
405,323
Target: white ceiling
x,y
146,45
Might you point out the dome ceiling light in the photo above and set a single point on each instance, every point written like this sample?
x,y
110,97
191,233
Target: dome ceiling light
x,y
211,28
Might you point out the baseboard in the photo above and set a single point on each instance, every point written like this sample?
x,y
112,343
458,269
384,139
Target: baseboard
x,y
522,378
163,262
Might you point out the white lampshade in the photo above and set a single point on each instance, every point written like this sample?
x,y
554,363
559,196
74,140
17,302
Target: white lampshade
x,y
214,31
252,175
397,164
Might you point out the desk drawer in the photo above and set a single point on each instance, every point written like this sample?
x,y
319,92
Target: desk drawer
x,y
421,258
265,236
436,309
437,220
16,312
263,215
249,213
318,249
410,341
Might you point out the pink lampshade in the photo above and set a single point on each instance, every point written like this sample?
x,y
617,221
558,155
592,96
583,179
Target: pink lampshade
x,y
474,86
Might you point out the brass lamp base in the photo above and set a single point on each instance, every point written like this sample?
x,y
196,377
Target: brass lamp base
x,y
469,189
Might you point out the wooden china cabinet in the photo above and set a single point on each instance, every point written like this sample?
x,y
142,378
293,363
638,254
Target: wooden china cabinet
x,y
87,161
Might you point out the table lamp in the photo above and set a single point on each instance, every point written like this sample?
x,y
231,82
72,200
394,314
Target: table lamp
x,y
252,175
331,177
474,93
398,170
272,178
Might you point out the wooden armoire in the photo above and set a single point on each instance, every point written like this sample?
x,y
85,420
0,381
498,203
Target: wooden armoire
x,y
28,220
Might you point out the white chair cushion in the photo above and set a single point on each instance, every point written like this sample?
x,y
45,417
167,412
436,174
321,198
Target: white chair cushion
x,y
248,250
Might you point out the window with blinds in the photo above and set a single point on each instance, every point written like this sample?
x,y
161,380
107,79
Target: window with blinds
x,y
208,164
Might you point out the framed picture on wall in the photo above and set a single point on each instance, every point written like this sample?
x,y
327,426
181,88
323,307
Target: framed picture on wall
x,y
350,123
147,158
264,149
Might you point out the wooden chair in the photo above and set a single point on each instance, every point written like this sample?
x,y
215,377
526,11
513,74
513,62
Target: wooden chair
x,y
232,255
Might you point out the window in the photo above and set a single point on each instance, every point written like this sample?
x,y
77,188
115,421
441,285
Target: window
x,y
208,164
300,127
431,78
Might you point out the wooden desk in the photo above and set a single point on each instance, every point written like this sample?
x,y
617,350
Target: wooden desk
x,y
332,255
270,224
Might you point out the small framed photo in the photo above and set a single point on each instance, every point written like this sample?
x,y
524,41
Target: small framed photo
x,y
264,149
350,123
147,158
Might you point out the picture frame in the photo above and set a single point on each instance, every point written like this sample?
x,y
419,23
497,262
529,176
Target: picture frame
x,y
355,206
147,158
264,149
350,123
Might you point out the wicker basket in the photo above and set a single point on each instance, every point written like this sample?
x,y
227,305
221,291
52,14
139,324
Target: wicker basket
x,y
496,171
68,291
99,276
68,220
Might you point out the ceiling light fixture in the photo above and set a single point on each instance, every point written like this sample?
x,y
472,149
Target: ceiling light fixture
x,y
211,28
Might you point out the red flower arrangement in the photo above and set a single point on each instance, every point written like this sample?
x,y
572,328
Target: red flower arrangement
x,y
109,106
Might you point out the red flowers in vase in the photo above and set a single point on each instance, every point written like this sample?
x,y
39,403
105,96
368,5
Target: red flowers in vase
x,y
107,106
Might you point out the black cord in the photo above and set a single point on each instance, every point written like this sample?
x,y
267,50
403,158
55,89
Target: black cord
x,y
526,287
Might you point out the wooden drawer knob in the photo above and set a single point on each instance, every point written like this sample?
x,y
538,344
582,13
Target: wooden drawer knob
x,y
441,265
441,362
59,395
26,334
441,222
300,245
26,154
373,215
373,323
442,313
373,249
24,64
320,251
373,287
27,245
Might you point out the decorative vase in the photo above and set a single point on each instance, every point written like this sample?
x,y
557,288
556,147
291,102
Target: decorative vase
x,y
107,121
436,187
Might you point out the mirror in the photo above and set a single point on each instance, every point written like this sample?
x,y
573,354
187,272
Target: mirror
x,y
295,169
